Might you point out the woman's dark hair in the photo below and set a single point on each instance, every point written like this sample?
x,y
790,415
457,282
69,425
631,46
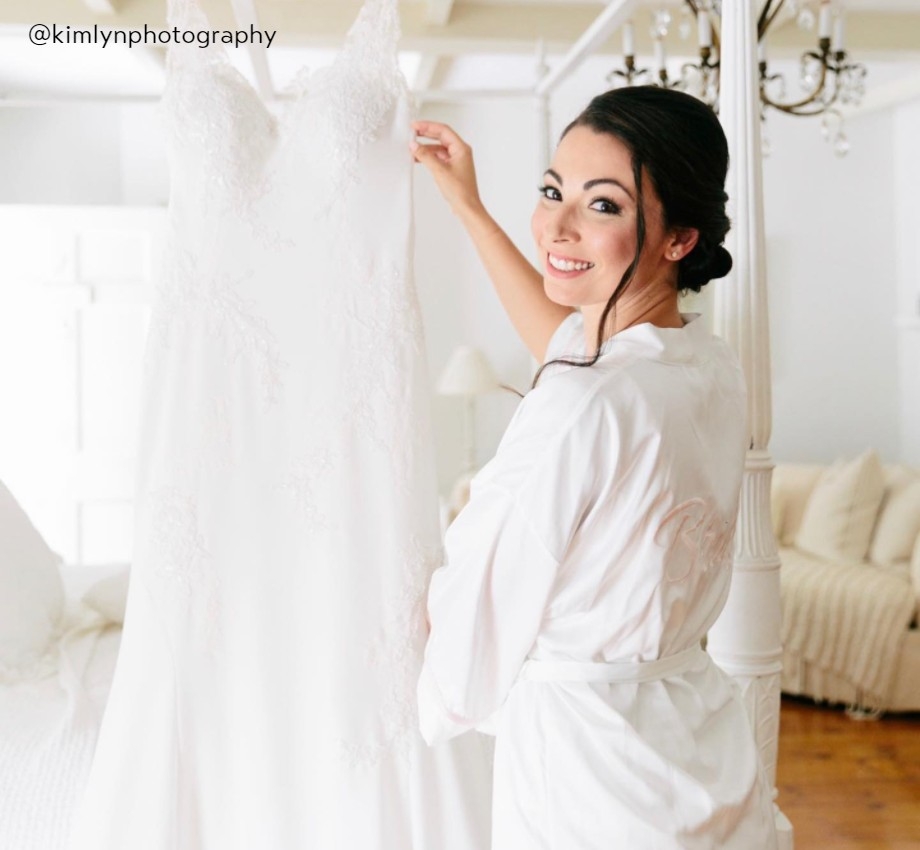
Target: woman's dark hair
x,y
680,144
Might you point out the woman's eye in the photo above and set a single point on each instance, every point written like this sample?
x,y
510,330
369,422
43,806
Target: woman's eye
x,y
551,193
606,206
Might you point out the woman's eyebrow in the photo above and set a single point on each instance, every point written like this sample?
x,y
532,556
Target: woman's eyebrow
x,y
591,183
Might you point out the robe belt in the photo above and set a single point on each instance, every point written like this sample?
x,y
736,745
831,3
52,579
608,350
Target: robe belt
x,y
613,671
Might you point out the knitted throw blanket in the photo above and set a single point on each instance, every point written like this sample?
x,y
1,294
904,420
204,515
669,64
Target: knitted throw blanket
x,y
846,619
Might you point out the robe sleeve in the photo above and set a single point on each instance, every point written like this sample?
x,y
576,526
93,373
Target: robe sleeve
x,y
485,608
503,553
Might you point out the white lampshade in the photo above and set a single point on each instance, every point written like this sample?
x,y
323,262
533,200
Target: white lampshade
x,y
468,373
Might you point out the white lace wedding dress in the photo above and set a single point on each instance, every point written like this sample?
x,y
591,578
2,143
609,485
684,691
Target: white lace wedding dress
x,y
287,521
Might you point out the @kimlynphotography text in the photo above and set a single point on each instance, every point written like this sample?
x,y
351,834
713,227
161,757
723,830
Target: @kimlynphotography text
x,y
42,34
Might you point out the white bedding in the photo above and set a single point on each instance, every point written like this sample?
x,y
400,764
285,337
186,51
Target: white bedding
x,y
48,729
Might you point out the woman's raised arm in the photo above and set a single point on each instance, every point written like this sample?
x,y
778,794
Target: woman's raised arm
x,y
518,284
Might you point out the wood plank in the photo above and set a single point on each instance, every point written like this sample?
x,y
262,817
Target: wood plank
x,y
848,784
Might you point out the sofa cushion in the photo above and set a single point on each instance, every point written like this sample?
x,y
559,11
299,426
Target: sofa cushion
x,y
109,596
897,526
842,509
789,492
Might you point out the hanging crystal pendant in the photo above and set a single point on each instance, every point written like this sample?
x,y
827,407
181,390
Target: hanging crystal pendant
x,y
660,24
685,27
805,19
841,144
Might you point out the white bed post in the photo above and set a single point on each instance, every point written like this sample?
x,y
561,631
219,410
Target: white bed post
x,y
746,641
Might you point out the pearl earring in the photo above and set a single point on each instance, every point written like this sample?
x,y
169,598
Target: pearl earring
x,y
674,254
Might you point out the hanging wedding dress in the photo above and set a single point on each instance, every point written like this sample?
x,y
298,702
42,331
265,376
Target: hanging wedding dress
x,y
287,513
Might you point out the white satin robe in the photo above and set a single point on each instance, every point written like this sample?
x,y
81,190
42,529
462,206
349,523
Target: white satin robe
x,y
602,531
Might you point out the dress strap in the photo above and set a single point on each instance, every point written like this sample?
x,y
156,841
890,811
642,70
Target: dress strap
x,y
615,671
375,32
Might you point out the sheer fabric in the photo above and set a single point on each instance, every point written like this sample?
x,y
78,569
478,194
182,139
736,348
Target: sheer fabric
x,y
287,517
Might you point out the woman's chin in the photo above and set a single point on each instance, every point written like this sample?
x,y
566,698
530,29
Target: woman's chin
x,y
559,293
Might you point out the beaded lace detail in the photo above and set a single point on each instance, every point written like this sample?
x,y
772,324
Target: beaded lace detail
x,y
189,297
385,319
395,652
183,574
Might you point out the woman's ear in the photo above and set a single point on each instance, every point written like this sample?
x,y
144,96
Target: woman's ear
x,y
683,240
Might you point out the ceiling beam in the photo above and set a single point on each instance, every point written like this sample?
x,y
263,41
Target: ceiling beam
x,y
892,93
101,7
602,27
427,70
439,12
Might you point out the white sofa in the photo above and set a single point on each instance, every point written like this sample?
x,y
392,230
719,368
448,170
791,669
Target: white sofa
x,y
849,538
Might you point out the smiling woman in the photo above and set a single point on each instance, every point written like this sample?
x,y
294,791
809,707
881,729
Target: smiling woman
x,y
595,551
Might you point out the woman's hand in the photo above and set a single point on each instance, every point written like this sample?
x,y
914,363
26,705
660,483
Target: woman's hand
x,y
450,161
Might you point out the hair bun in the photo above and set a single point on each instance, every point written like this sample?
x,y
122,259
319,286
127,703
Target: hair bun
x,y
721,263
704,263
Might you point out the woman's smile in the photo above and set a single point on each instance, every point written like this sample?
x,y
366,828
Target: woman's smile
x,y
565,267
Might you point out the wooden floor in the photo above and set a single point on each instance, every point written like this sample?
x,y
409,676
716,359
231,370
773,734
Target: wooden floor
x,y
848,784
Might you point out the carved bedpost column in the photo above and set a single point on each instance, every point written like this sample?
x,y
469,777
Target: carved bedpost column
x,y
745,641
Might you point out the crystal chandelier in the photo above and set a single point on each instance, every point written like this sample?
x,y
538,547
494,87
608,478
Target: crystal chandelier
x,y
827,77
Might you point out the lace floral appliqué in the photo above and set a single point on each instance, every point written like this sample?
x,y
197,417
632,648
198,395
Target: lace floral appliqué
x,y
181,565
395,654
189,296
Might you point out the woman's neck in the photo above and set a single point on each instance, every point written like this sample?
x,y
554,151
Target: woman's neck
x,y
655,305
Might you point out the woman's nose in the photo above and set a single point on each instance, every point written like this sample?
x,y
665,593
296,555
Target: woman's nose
x,y
561,226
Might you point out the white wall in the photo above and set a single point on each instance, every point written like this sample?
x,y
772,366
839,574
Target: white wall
x,y
459,304
831,270
75,283
83,154
907,232
60,155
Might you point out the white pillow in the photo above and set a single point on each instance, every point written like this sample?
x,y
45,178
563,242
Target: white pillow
x,y
791,487
842,508
109,596
898,525
31,592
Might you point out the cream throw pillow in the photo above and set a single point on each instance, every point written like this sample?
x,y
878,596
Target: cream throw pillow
x,y
31,593
842,508
109,596
789,493
898,525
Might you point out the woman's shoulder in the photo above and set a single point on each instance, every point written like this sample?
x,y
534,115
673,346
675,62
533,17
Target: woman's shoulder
x,y
567,403
567,339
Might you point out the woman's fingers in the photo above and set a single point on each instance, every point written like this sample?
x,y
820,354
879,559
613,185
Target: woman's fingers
x,y
449,160
421,152
440,133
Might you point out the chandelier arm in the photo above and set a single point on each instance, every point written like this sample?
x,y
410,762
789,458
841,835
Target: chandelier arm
x,y
808,99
